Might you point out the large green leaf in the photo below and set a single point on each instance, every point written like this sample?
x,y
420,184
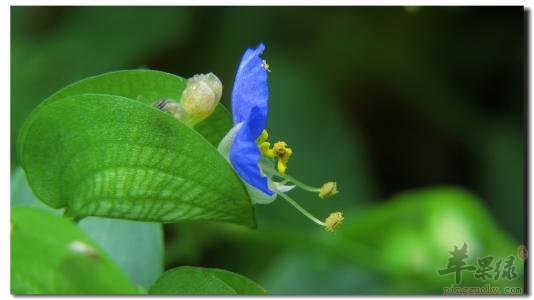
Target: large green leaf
x,y
204,281
137,247
50,255
110,156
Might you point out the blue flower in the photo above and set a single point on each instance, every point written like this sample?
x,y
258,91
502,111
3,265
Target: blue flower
x,y
249,109
249,152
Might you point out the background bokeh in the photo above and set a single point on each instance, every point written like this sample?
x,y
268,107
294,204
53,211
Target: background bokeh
x,y
416,112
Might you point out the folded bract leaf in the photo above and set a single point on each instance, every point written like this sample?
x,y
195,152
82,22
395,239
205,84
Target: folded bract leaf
x,y
111,156
147,86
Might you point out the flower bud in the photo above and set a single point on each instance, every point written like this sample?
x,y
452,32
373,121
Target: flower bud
x,y
328,189
201,96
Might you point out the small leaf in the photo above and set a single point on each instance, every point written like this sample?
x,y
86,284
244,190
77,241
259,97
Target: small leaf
x,y
109,156
50,255
204,281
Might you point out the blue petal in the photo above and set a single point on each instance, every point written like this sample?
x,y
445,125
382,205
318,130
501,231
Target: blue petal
x,y
244,152
250,86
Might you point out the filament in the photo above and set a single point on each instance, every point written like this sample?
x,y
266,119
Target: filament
x,y
302,210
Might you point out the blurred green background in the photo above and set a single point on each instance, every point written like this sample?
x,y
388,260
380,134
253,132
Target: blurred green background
x,y
416,112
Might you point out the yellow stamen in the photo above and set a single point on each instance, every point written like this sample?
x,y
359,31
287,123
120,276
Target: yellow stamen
x,y
266,150
333,221
281,166
280,150
328,189
283,152
263,137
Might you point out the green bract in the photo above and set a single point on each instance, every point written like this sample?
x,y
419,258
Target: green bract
x,y
204,281
99,148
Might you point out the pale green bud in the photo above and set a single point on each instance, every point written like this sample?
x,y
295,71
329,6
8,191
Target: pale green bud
x,y
201,96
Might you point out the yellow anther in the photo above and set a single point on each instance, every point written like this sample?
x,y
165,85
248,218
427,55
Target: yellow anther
x,y
328,189
333,221
266,66
283,152
266,150
281,166
263,137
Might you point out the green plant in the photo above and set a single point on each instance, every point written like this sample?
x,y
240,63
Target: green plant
x,y
145,146
113,157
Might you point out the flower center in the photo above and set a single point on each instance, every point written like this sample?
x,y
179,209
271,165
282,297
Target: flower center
x,y
280,150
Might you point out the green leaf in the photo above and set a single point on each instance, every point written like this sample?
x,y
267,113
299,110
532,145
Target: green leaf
x,y
110,156
204,281
137,247
50,255
148,86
